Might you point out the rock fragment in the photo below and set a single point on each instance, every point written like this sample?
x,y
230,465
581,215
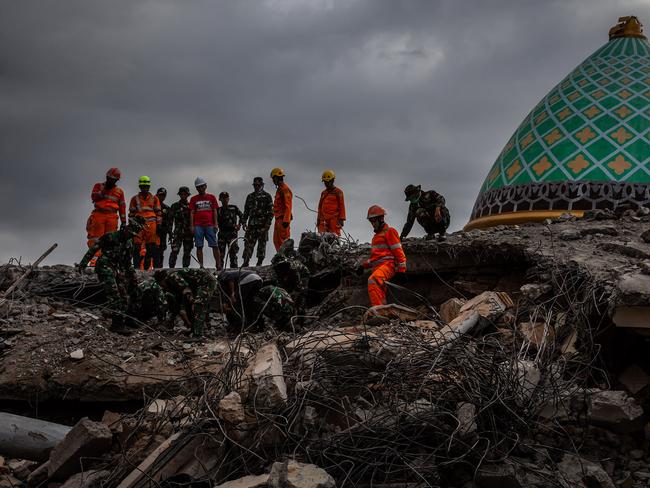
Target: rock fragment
x,y
86,439
263,380
77,354
570,235
292,474
613,407
450,309
466,413
231,409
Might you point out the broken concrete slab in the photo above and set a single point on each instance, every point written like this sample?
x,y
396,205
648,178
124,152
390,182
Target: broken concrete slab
x,y
578,472
489,304
231,409
634,379
251,481
263,380
86,439
39,475
613,407
450,309
392,311
534,291
88,479
538,334
461,325
292,474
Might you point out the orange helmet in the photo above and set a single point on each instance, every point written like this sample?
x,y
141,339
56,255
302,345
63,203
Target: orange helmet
x,y
114,173
376,211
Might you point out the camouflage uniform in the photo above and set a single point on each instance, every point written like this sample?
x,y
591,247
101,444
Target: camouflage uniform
x,y
163,231
181,233
276,304
258,215
424,211
193,288
150,302
114,270
228,218
291,274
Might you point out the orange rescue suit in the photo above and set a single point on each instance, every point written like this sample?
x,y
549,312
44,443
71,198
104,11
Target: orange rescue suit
x,y
109,203
386,258
331,210
148,207
282,206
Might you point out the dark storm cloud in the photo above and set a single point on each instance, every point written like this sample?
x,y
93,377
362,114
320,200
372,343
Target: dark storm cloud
x,y
385,92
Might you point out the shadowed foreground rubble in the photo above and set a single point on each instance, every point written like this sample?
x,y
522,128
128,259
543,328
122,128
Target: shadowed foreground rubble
x,y
516,357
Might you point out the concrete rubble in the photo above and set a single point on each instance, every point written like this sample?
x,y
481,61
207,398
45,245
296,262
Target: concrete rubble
x,y
512,357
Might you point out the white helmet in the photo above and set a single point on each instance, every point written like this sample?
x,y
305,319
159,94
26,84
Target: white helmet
x,y
199,182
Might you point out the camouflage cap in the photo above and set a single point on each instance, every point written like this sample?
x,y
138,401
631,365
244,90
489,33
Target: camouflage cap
x,y
258,180
184,189
411,190
223,194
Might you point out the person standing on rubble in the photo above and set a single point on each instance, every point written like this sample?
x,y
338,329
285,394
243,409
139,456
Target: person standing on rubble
x,y
258,215
387,259
331,207
282,206
203,219
147,206
189,291
229,218
115,271
109,203
428,207
163,228
180,229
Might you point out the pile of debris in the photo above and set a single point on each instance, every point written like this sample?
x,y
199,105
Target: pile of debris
x,y
512,386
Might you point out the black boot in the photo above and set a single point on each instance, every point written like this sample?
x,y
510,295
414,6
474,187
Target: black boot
x,y
260,261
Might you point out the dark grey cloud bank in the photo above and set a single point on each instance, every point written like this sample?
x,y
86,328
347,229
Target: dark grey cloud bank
x,y
385,92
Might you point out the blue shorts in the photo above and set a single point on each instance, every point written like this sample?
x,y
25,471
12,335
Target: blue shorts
x,y
207,232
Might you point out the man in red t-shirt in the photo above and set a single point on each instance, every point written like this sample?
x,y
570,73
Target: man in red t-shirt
x,y
203,219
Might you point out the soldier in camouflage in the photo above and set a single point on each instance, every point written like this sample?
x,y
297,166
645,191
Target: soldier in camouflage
x,y
150,301
180,231
428,207
191,290
291,274
114,269
163,229
275,304
229,218
258,215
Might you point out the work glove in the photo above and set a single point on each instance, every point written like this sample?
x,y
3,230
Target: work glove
x,y
285,224
399,278
359,270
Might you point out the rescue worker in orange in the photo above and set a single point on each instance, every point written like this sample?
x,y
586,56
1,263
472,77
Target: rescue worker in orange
x,y
387,259
282,206
109,202
331,207
147,205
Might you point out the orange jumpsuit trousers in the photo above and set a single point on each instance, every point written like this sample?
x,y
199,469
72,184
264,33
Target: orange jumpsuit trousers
x,y
100,223
377,283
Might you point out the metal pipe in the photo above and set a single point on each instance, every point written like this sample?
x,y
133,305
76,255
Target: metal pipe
x,y
27,438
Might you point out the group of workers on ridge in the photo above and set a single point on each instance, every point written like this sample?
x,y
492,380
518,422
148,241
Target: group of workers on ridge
x,y
189,222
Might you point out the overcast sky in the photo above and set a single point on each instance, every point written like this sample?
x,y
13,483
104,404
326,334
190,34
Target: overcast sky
x,y
385,92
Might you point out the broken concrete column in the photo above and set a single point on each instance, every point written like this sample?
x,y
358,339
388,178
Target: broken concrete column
x,y
231,409
450,309
39,475
461,325
86,439
489,304
263,380
27,438
292,474
613,407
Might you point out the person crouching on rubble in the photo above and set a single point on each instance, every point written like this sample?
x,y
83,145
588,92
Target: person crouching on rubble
x,y
291,274
114,269
428,207
188,292
238,287
387,259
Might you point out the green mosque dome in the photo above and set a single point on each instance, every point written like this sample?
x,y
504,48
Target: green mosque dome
x,y
585,145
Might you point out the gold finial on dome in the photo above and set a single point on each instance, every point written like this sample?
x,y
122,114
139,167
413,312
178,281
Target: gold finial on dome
x,y
627,27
